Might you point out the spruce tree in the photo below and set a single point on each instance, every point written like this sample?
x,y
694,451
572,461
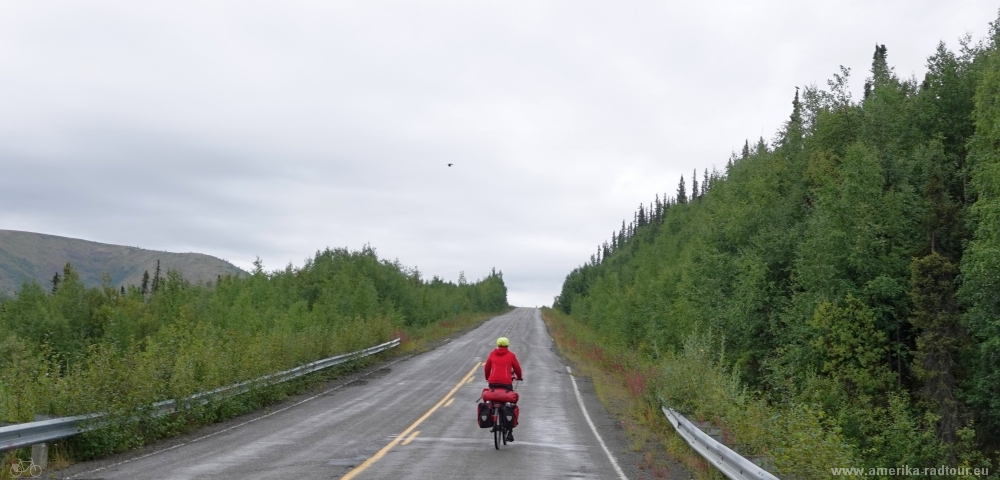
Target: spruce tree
x,y
880,70
156,277
694,184
681,192
792,136
144,288
55,282
936,313
761,148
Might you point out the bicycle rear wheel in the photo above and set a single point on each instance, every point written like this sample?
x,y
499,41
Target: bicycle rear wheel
x,y
496,437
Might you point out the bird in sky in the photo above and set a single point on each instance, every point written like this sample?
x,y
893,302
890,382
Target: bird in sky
x,y
450,164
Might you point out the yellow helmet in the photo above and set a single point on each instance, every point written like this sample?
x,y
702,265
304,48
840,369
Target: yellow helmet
x,y
503,342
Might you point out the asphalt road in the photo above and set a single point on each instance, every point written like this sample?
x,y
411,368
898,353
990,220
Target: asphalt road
x,y
413,419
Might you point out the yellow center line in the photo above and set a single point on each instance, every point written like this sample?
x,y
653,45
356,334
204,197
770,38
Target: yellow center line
x,y
381,453
450,401
412,436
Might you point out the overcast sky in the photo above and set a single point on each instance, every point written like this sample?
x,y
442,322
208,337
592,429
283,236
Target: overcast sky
x,y
274,129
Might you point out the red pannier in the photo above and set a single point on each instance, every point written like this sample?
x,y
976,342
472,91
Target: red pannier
x,y
501,395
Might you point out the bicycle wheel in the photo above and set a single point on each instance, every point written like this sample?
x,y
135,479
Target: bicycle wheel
x,y
34,470
496,437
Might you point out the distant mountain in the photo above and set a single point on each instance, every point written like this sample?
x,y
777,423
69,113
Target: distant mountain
x,y
26,256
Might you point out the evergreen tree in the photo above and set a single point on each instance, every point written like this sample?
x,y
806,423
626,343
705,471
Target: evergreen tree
x,y
156,278
694,184
705,183
936,314
761,148
880,70
681,192
55,282
641,217
144,287
792,136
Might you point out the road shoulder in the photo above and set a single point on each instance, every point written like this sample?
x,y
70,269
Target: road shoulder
x,y
638,450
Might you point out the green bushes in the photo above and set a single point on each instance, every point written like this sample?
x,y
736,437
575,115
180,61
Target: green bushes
x,y
851,265
80,350
802,440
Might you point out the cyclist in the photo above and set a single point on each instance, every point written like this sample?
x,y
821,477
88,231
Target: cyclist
x,y
498,368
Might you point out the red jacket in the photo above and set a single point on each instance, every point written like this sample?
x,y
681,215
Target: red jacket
x,y
499,366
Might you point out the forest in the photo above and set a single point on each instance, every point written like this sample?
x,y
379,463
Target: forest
x,y
845,274
66,349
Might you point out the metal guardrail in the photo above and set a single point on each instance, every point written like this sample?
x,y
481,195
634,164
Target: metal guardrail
x,y
730,463
26,434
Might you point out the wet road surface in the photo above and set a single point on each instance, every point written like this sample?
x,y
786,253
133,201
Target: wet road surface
x,y
356,431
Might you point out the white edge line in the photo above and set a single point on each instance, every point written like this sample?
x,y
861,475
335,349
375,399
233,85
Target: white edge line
x,y
579,398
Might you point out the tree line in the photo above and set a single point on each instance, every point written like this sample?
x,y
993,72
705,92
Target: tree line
x,y
850,264
70,349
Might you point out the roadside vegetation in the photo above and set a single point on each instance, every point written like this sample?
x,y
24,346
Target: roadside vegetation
x,y
67,350
831,297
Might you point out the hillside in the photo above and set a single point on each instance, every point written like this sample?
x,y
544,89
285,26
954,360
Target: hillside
x,y
845,272
26,256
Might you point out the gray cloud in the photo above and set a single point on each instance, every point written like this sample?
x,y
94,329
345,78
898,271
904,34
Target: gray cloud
x,y
275,129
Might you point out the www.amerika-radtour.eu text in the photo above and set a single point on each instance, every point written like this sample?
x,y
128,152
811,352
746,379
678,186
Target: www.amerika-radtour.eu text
x,y
907,470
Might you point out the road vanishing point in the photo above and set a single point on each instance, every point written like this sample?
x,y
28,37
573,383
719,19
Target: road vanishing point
x,y
410,418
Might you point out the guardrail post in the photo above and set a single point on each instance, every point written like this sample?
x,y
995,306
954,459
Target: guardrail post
x,y
40,454
40,451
